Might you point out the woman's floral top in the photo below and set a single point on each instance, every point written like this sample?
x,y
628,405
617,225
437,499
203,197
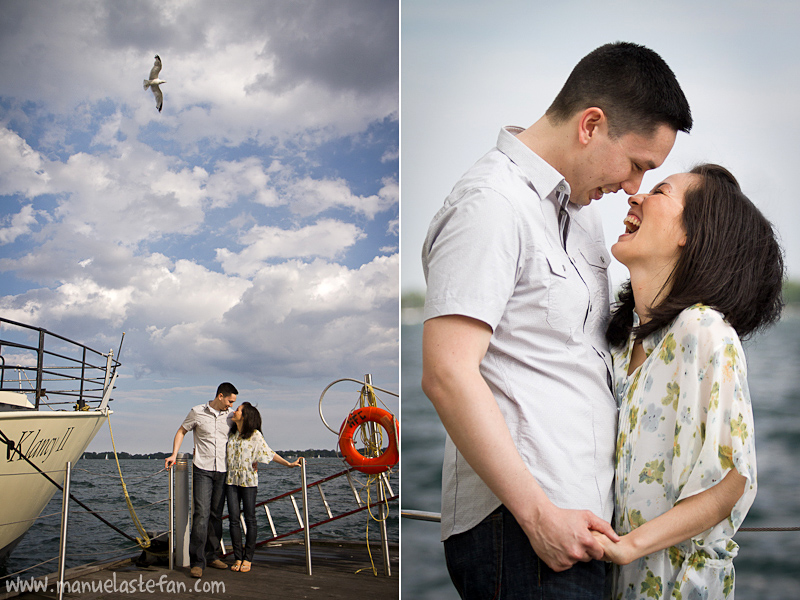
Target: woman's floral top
x,y
684,422
241,456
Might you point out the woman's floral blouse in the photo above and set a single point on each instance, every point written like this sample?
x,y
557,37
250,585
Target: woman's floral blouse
x,y
241,456
685,421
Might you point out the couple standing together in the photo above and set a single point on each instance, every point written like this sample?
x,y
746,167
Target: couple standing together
x,y
228,445
563,418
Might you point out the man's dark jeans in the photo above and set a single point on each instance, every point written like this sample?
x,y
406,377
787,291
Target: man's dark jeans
x,y
208,492
247,495
495,560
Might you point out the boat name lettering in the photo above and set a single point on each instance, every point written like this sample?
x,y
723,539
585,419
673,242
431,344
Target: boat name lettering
x,y
40,448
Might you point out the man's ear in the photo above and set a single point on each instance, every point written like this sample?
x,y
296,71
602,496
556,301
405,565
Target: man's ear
x,y
591,122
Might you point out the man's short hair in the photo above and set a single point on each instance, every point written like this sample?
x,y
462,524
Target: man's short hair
x,y
632,85
227,389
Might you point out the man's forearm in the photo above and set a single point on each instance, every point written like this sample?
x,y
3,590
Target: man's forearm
x,y
473,421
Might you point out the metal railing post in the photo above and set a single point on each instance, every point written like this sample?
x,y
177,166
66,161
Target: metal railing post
x,y
171,519
62,548
306,528
183,503
384,514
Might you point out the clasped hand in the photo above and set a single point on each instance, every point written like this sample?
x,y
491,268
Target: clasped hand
x,y
563,537
616,552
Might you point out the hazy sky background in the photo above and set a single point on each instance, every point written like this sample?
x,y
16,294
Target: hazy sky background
x,y
469,68
247,233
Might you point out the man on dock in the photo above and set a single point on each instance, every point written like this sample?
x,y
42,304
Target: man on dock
x,y
210,423
515,359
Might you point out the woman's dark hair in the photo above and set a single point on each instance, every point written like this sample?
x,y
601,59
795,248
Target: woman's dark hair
x,y
633,86
251,421
731,262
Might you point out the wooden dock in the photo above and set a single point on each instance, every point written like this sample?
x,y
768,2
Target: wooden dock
x,y
340,570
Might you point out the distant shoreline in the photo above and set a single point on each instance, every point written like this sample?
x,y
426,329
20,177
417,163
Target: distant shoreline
x,y
162,455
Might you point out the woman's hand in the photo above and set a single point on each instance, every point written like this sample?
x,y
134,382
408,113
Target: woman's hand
x,y
296,463
619,553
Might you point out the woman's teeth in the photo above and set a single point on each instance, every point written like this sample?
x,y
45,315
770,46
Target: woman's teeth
x,y
632,223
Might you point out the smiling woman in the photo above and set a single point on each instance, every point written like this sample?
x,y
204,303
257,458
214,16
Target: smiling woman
x,y
654,232
706,269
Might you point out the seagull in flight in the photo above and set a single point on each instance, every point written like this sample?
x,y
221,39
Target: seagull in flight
x,y
153,83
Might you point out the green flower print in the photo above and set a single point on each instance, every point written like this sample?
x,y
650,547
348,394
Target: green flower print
x,y
652,472
633,418
636,519
652,586
667,353
713,401
739,428
732,353
727,583
726,457
620,447
675,556
673,393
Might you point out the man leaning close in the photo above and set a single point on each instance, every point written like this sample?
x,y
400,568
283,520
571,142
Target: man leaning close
x,y
514,354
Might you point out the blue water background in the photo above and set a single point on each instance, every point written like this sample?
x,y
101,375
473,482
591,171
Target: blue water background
x,y
96,483
768,565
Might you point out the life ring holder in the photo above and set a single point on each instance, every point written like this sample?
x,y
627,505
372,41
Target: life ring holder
x,y
370,465
330,385
387,459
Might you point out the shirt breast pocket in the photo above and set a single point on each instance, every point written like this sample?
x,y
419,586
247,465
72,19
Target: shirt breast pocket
x,y
566,297
598,259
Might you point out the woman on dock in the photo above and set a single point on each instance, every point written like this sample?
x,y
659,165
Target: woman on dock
x,y
705,270
246,448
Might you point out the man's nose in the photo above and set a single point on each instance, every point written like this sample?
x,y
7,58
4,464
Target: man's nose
x,y
631,185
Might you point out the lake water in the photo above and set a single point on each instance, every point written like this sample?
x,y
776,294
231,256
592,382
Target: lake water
x,y
96,484
768,565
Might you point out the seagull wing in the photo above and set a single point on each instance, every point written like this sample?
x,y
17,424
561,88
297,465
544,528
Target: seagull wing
x,y
159,96
156,68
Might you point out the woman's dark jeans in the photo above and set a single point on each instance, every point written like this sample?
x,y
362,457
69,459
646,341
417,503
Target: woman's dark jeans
x,y
247,496
495,560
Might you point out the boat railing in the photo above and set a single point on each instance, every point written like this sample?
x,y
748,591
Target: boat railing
x,y
58,371
48,519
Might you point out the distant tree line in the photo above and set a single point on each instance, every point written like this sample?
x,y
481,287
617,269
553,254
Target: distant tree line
x,y
162,455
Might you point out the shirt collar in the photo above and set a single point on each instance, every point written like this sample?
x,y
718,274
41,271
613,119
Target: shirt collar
x,y
214,411
542,176
651,341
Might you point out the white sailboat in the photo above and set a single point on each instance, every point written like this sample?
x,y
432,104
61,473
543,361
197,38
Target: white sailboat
x,y
53,401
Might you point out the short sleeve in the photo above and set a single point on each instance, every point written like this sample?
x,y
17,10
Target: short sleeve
x,y
261,451
190,422
715,427
471,256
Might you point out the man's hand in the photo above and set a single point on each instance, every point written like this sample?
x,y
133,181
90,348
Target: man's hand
x,y
562,537
169,461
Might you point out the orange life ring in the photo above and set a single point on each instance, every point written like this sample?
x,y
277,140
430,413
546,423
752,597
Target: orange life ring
x,y
378,464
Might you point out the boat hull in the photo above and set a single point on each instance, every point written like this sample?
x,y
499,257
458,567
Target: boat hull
x,y
49,440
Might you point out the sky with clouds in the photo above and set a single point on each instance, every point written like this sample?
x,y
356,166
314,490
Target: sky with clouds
x,y
247,233
470,67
